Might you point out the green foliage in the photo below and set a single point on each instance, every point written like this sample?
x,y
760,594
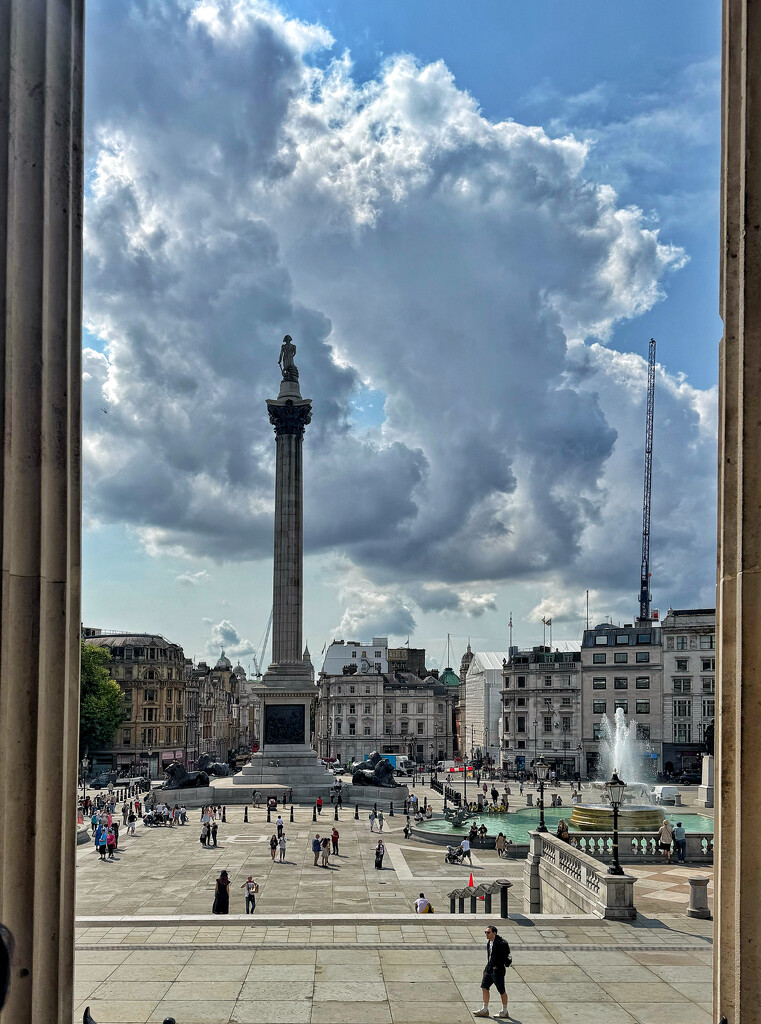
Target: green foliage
x,y
101,704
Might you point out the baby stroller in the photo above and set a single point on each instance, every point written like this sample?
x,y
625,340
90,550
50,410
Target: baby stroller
x,y
453,855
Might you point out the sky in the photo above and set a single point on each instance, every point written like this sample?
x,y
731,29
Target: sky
x,y
471,219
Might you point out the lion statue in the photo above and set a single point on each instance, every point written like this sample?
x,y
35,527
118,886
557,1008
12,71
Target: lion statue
x,y
375,770
206,763
176,776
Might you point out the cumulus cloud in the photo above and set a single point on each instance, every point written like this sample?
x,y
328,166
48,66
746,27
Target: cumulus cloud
x,y
471,271
224,636
192,579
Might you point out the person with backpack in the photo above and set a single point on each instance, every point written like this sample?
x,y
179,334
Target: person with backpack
x,y
252,889
498,959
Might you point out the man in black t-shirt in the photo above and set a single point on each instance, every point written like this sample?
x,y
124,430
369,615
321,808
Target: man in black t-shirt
x,y
498,959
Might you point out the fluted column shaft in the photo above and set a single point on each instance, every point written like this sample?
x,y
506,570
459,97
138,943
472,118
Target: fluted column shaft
x,y
40,247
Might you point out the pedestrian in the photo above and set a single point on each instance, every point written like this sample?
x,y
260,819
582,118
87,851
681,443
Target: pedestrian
x,y
131,821
316,848
521,787
137,809
125,812
325,850
680,841
339,798
380,849
422,905
281,844
94,822
221,904
380,821
280,824
372,820
214,829
183,815
665,838
273,846
498,959
116,835
100,841
110,842
204,834
500,845
494,794
334,838
465,847
319,805
251,890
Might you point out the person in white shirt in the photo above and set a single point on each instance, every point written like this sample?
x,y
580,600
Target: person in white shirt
x,y
421,904
465,847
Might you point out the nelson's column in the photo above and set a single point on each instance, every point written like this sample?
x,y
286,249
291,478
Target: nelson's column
x,y
286,756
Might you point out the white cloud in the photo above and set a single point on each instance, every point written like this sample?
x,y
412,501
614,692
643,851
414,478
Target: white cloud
x,y
192,579
224,636
241,190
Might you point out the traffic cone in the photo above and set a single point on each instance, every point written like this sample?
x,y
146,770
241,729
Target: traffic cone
x,y
470,881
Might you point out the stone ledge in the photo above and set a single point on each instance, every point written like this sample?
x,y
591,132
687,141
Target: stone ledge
x,y
259,920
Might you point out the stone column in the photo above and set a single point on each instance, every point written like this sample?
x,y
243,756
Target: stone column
x,y
289,414
737,929
41,252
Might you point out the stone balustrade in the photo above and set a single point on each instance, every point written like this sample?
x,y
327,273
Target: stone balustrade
x,y
640,847
560,879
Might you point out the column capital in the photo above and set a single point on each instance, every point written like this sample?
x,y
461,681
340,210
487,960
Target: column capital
x,y
289,417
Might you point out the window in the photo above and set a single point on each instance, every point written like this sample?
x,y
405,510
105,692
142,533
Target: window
x,y
599,707
364,654
507,723
366,730
420,728
339,709
601,640
150,696
367,709
643,732
405,728
548,680
708,664
642,683
128,672
596,731
682,708
404,709
682,685
643,657
547,744
338,728
169,696
708,642
565,701
522,682
352,709
599,658
709,708
521,744
168,736
147,714
126,737
682,732
179,733
548,702
620,683
643,638
351,689
708,685
566,723
339,689
388,728
681,643
352,729
128,653
566,745
521,723
599,683
621,657
420,709
388,709
441,708
622,704
681,664
354,654
379,654
622,638
547,723
168,715
642,707
367,688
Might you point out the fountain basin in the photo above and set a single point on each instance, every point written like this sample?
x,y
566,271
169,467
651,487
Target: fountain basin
x,y
631,818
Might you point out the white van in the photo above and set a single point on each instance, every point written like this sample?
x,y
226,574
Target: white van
x,y
664,794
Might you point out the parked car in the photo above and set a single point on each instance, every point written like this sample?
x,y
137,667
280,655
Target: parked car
x,y
664,794
690,777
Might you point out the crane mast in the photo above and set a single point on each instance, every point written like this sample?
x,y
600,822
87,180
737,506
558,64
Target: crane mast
x,y
644,583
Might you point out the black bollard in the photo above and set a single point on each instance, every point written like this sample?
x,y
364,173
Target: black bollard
x,y
245,814
391,809
268,814
356,812
335,813
425,804
291,812
451,905
314,812
224,814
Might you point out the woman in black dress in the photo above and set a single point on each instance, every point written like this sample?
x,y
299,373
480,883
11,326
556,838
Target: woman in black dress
x,y
380,849
221,903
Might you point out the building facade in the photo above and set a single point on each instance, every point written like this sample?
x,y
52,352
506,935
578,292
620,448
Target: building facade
x,y
369,657
407,659
483,705
220,728
397,713
622,667
150,672
689,684
542,710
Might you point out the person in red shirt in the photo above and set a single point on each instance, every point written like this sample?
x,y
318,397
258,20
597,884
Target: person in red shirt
x,y
319,805
334,838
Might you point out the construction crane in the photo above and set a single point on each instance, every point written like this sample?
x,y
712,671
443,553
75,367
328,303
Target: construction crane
x,y
258,660
644,581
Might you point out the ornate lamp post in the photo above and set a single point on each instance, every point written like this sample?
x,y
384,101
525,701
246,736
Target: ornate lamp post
x,y
541,768
615,790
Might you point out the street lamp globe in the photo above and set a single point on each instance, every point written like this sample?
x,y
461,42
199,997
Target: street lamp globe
x,y
615,790
541,767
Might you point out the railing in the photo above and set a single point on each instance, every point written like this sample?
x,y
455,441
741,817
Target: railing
x,y
639,847
560,879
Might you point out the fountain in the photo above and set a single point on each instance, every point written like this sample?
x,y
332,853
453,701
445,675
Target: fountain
x,y
619,749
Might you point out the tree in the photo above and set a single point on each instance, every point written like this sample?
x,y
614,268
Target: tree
x,y
101,704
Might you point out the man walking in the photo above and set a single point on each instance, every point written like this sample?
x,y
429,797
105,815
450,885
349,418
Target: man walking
x,y
251,890
465,847
280,825
316,848
498,959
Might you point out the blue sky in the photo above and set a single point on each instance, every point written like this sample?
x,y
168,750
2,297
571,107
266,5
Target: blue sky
x,y
469,302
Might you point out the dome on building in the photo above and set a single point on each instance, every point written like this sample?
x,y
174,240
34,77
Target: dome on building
x,y
223,663
449,677
239,671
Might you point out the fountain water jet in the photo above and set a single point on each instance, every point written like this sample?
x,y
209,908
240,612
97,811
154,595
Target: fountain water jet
x,y
620,751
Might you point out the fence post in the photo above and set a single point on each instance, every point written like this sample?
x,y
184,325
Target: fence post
x,y
291,812
314,813
698,898
335,813
487,903
356,812
473,904
451,905
391,809
460,904
503,901
245,814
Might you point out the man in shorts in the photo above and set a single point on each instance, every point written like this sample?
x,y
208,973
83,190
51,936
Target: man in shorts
x,y
497,961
